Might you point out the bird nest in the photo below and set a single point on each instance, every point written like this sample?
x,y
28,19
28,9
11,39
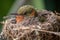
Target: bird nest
x,y
31,28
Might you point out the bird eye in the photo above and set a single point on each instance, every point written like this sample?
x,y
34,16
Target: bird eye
x,y
25,13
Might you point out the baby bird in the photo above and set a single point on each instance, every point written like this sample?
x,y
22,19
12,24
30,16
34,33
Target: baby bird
x,y
26,10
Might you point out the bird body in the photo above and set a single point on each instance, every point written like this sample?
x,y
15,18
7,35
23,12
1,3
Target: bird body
x,y
24,11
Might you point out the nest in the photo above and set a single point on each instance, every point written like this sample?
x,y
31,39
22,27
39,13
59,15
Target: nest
x,y
32,28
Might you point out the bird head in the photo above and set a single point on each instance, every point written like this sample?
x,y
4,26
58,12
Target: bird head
x,y
27,10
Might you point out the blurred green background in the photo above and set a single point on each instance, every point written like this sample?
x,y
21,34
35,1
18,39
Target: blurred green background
x,y
5,6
